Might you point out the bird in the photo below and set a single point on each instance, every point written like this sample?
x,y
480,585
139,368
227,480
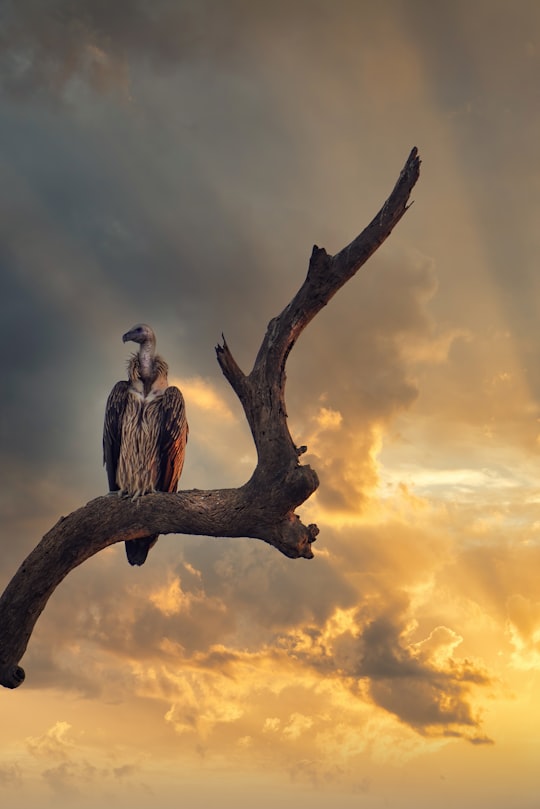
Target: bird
x,y
145,431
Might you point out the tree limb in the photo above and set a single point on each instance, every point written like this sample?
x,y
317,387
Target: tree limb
x,y
263,508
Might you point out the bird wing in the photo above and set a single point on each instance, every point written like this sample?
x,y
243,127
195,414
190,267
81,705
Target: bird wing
x,y
172,440
112,430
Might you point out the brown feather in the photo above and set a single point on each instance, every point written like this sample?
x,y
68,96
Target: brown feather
x,y
144,440
112,430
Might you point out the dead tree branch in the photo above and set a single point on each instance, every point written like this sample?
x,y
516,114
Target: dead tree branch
x,y
263,508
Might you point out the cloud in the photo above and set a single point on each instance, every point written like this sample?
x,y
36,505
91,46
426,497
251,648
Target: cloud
x,y
203,701
218,639
202,395
170,599
362,379
429,693
48,49
52,744
203,632
10,776
58,51
216,423
62,760
423,684
297,725
523,626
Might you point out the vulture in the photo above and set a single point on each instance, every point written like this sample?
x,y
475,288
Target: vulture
x,y
145,431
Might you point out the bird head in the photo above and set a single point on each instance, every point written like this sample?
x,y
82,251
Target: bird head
x,y
141,333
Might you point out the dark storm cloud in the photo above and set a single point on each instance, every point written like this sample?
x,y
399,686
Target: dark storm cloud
x,y
111,212
187,211
84,255
429,698
431,695
488,88
46,46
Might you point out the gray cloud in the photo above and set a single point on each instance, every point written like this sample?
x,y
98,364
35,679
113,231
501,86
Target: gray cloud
x,y
431,699
431,696
46,47
48,51
195,221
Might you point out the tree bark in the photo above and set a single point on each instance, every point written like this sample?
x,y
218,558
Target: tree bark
x,y
263,508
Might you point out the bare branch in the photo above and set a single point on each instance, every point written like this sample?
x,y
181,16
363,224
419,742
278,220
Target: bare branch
x,y
263,508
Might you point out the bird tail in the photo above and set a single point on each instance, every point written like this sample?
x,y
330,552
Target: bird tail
x,y
137,549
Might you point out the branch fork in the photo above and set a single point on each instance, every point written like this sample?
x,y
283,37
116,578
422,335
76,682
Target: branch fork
x,y
263,508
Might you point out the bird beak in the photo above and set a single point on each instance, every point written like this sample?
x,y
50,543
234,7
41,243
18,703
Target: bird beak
x,y
126,337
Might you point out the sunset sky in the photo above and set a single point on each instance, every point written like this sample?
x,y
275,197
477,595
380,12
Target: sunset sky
x,y
173,162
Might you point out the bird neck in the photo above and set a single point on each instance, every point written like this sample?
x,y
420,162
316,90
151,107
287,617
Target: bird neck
x,y
146,361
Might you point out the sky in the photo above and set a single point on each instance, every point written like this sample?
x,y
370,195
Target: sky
x,y
173,162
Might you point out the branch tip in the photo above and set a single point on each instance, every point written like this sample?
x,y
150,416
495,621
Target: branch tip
x,y
13,677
